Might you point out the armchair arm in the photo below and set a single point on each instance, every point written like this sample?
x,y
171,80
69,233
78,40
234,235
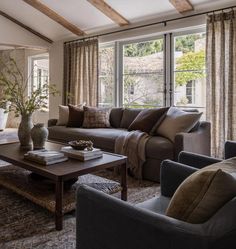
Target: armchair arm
x,y
196,160
52,122
230,149
198,141
105,222
172,175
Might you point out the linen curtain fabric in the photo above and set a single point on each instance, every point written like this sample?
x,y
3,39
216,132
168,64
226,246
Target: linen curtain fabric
x,y
81,72
221,79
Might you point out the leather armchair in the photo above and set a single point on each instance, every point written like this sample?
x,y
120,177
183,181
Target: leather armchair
x,y
105,222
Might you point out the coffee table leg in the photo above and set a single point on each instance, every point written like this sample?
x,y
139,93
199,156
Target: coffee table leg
x,y
123,171
59,201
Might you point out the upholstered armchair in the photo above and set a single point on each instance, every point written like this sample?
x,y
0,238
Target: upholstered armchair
x,y
105,222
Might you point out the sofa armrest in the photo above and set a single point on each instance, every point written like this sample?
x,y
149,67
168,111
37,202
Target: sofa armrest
x,y
198,141
230,149
105,222
172,175
196,160
52,122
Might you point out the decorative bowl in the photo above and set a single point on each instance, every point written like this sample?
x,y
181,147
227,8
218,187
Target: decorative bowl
x,y
81,144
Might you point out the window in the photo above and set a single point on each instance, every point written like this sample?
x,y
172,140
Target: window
x,y
150,73
39,68
189,70
106,93
142,76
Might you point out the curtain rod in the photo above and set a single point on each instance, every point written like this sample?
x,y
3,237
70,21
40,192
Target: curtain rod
x,y
151,24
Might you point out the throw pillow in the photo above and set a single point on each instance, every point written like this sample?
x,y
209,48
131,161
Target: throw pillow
x,y
96,117
63,115
76,116
128,117
177,121
146,119
201,195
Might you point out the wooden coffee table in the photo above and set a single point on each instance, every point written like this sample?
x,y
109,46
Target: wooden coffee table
x,y
63,171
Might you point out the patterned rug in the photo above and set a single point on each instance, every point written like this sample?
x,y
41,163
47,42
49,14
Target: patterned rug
x,y
25,225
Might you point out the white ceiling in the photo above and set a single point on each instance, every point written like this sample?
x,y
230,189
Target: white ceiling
x,y
82,14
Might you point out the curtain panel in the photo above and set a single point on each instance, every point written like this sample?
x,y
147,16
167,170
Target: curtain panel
x,y
221,79
81,72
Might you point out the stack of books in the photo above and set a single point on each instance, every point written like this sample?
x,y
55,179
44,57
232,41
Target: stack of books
x,y
82,155
45,157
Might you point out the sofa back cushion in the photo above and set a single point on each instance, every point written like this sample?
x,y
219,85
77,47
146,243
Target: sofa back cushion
x,y
96,117
76,116
201,195
128,117
116,116
177,121
147,118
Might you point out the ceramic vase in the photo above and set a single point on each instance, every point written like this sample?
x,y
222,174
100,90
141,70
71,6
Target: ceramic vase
x,y
39,135
24,131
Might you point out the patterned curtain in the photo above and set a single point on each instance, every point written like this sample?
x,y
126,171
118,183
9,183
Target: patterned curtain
x,y
221,79
81,72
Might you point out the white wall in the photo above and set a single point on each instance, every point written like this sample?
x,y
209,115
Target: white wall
x,y
13,34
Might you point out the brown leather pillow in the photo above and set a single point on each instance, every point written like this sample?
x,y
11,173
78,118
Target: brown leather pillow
x,y
147,118
76,116
201,195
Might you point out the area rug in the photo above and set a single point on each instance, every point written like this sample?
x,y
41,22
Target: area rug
x,y
25,225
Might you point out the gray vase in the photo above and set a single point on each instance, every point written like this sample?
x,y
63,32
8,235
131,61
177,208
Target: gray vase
x,y
24,131
39,135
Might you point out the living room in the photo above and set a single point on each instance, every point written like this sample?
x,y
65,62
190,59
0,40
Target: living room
x,y
107,124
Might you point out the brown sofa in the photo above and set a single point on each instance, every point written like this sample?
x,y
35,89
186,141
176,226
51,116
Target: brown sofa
x,y
157,148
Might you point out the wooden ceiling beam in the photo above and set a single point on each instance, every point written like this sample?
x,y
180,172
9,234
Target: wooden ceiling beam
x,y
107,10
25,27
54,16
182,5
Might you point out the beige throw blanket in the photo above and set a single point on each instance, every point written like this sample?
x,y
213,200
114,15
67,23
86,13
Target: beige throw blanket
x,y
133,146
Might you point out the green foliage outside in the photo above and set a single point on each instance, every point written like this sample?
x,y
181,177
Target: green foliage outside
x,y
190,61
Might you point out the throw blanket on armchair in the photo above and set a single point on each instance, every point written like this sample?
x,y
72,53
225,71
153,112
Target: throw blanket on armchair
x,y
133,146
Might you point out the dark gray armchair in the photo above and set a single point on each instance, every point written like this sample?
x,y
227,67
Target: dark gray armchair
x,y
105,222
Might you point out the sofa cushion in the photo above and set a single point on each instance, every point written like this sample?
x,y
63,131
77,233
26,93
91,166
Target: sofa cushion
x,y
116,116
201,195
63,115
128,117
76,116
103,138
147,118
156,204
159,148
177,121
96,117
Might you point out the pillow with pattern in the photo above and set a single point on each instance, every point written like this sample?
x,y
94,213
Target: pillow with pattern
x,y
96,117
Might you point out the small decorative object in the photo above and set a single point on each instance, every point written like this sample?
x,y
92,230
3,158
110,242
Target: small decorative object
x,y
24,131
3,117
39,135
15,88
81,145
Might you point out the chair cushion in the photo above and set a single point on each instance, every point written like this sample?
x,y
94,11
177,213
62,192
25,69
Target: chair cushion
x,y
96,117
76,116
177,121
146,119
103,138
156,204
128,117
201,195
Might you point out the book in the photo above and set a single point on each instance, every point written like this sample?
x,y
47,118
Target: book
x,y
45,161
45,154
83,158
82,153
